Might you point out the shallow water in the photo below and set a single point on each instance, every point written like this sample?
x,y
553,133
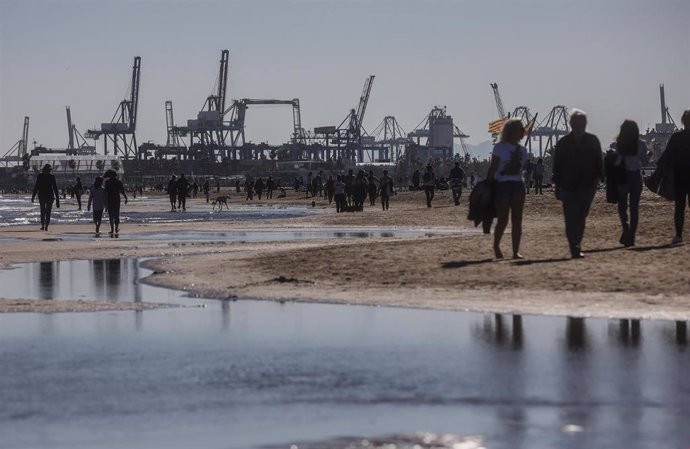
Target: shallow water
x,y
18,210
250,374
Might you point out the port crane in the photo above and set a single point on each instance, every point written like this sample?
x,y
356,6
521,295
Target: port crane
x,y
19,151
351,130
121,131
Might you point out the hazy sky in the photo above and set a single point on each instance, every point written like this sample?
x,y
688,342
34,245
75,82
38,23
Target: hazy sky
x,y
607,57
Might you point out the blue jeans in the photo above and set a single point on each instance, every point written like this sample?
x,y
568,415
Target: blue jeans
x,y
629,198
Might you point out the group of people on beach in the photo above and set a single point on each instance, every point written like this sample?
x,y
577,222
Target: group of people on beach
x,y
578,168
103,196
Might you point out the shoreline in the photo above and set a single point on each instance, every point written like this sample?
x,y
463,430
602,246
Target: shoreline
x,y
443,272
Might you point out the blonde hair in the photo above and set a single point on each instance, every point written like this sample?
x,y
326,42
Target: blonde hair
x,y
577,113
510,128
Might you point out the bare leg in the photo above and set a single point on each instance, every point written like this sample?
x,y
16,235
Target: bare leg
x,y
502,211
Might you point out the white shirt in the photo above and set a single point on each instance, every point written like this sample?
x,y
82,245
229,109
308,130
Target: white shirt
x,y
511,161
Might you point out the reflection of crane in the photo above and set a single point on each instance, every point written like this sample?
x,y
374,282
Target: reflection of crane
x,y
124,121
20,147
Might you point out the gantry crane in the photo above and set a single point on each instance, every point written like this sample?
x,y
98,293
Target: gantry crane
x,y
121,131
81,146
351,129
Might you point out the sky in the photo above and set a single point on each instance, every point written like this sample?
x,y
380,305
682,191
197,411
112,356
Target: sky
x,y
606,57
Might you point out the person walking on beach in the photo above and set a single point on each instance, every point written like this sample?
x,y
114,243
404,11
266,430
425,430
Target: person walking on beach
x,y
429,182
457,177
172,193
678,150
415,180
629,149
259,187
529,170
249,188
340,197
78,192
97,198
349,181
330,188
386,190
270,186
182,192
47,191
207,191
539,177
508,162
359,188
113,190
577,170
372,188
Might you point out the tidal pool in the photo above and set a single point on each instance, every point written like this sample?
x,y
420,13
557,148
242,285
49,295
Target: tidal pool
x,y
250,374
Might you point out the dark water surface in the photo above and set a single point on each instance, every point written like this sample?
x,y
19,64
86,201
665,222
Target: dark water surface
x,y
251,374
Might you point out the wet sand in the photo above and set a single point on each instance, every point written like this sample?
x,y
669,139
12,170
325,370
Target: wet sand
x,y
440,272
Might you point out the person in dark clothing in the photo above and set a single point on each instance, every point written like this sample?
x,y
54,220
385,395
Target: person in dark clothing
x,y
217,186
78,192
330,189
183,186
259,187
457,176
386,190
270,186
629,152
113,190
349,180
207,190
172,192
577,169
372,187
97,198
415,180
678,149
47,191
429,180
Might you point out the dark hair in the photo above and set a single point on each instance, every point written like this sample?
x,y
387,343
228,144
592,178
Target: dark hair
x,y
627,142
97,182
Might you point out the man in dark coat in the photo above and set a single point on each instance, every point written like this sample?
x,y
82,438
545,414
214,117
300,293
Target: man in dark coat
x,y
577,170
678,152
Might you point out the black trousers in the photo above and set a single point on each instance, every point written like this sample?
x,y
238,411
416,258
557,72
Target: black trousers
x,y
46,206
429,192
576,204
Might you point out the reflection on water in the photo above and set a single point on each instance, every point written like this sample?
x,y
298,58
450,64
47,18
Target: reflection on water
x,y
249,374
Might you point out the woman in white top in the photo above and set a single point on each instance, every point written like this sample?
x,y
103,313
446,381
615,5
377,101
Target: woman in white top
x,y
507,165
630,150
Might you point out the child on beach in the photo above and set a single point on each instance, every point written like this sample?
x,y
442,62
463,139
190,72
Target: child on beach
x,y
97,198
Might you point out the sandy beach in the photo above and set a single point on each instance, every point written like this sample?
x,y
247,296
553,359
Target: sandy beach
x,y
447,272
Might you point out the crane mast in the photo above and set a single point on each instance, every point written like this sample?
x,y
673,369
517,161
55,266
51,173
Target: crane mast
x,y
499,102
70,130
25,138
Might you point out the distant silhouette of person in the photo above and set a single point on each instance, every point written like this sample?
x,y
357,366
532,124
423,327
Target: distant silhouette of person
x,y
415,179
539,177
47,191
217,186
577,170
349,181
359,190
678,150
270,186
113,190
385,190
529,170
457,176
372,188
207,190
340,196
172,192
508,162
259,187
330,189
429,181
249,188
183,187
78,192
630,150
97,199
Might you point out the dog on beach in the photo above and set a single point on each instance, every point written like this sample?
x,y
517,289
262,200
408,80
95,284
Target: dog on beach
x,y
220,201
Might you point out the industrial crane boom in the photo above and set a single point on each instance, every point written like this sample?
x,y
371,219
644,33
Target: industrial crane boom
x,y
364,99
499,102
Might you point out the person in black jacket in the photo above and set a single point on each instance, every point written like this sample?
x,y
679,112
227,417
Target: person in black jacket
x,y
47,191
678,149
113,190
577,168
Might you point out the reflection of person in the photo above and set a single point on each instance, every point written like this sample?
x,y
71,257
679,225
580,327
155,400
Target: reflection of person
x,y
678,149
507,166
113,190
97,198
47,191
630,150
577,169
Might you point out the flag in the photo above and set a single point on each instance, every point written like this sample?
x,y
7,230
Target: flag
x,y
496,126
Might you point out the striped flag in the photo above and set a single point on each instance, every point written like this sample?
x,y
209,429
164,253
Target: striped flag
x,y
496,126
